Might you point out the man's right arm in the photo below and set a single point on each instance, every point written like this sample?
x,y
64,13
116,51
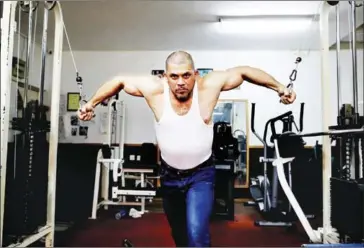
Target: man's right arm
x,y
132,85
142,86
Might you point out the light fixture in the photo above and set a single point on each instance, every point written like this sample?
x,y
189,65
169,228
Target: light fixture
x,y
264,24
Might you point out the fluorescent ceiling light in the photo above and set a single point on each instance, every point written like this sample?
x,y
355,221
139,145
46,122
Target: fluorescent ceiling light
x,y
264,24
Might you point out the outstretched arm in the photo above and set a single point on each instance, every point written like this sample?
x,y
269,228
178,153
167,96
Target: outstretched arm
x,y
133,85
140,86
234,77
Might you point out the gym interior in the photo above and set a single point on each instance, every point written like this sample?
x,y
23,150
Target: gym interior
x,y
286,175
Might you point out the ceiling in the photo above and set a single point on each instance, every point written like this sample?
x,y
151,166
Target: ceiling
x,y
131,25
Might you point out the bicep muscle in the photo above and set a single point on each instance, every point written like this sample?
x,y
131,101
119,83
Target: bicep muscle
x,y
139,86
233,79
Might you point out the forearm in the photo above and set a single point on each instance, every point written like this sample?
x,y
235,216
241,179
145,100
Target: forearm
x,y
259,77
107,90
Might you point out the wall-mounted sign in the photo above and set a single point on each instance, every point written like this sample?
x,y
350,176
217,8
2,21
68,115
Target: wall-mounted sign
x,y
73,101
158,73
204,71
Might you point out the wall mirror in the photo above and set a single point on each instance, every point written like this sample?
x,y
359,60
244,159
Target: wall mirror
x,y
235,112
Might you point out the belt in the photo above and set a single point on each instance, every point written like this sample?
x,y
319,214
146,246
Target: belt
x,y
187,172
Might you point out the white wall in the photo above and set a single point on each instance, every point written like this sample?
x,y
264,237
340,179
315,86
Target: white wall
x,y
97,67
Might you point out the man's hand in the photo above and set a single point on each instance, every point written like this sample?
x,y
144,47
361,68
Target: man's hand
x,y
287,96
86,112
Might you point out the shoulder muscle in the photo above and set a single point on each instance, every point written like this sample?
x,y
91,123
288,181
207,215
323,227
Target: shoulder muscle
x,y
141,85
224,80
215,79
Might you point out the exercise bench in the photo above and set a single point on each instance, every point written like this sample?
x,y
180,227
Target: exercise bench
x,y
119,191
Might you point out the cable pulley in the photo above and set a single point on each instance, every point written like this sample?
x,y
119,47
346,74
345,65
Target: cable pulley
x,y
49,5
25,5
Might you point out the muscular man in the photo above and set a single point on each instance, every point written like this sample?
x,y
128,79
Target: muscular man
x,y
182,103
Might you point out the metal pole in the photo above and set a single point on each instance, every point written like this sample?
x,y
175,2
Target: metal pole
x,y
353,51
27,65
122,140
53,136
326,113
8,26
43,54
338,48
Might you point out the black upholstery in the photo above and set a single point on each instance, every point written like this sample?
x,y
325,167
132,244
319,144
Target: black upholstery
x,y
148,157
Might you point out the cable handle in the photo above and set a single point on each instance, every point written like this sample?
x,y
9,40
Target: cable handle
x,y
80,87
82,99
293,75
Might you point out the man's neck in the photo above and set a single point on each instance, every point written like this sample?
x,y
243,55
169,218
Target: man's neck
x,y
179,103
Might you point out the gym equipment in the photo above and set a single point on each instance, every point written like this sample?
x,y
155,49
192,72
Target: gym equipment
x,y
347,179
224,145
26,204
327,234
26,195
140,171
147,185
224,189
111,158
314,235
264,192
226,154
347,208
26,7
8,28
82,97
333,3
293,75
240,168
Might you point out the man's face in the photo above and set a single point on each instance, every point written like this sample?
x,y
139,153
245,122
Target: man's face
x,y
181,79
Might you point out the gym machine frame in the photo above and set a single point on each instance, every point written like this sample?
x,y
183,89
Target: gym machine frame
x,y
115,164
326,234
8,28
267,199
104,165
327,228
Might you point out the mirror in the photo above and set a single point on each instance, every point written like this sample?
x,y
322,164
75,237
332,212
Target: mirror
x,y
235,112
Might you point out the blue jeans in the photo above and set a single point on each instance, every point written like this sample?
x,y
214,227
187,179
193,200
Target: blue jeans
x,y
188,204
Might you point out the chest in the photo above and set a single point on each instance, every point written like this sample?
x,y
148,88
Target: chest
x,y
205,107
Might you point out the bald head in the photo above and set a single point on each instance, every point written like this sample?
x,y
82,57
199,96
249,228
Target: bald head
x,y
180,58
180,74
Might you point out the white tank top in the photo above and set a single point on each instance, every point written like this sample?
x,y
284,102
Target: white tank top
x,y
184,141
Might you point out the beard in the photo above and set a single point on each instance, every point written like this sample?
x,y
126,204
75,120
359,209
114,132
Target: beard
x,y
183,97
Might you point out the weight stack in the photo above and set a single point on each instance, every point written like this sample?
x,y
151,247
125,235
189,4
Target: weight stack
x,y
25,209
347,204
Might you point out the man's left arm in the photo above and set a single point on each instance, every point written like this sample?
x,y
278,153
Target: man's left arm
x,y
234,77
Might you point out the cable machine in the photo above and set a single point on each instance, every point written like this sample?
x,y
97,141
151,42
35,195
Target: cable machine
x,y
347,181
32,124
